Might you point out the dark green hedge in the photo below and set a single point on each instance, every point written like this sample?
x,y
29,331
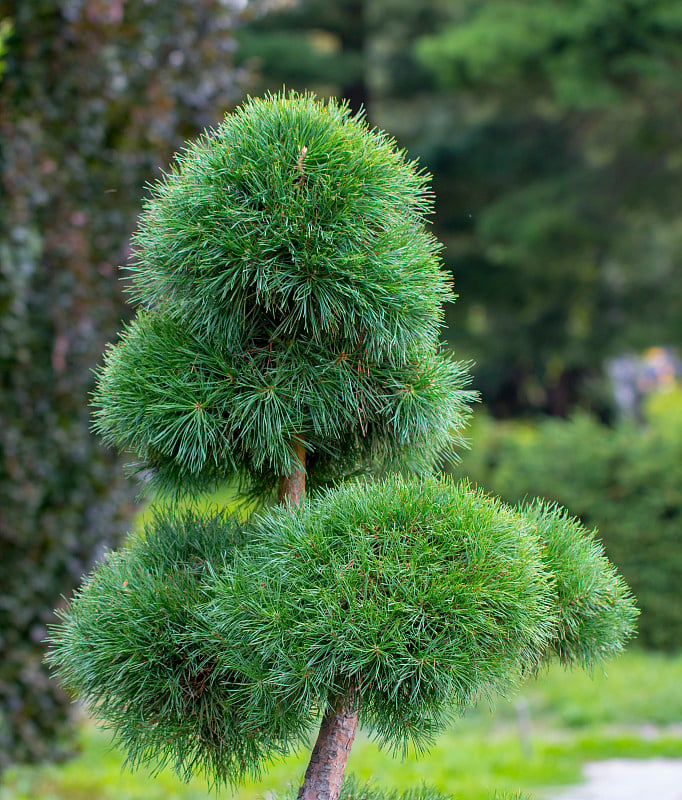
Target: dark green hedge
x,y
94,97
624,480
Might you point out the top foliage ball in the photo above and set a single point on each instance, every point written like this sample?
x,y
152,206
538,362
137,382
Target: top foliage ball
x,y
292,295
295,219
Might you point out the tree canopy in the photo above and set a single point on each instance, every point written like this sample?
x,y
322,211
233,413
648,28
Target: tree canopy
x,y
571,136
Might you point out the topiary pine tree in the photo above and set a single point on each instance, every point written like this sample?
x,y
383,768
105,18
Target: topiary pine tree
x,y
288,337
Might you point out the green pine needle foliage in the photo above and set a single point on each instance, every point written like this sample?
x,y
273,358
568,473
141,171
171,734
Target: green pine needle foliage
x,y
291,293
213,645
596,611
122,648
421,596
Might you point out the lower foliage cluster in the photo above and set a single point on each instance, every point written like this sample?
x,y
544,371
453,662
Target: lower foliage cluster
x,y
212,644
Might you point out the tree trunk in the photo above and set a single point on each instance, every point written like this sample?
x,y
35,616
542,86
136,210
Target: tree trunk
x,y
292,487
327,766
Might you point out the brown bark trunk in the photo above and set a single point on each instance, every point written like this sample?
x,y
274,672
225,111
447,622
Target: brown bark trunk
x,y
292,487
327,766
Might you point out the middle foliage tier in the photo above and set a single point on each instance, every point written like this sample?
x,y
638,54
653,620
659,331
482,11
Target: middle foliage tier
x,y
198,410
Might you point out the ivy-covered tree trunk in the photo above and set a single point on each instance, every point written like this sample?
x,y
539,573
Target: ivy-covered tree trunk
x,y
94,97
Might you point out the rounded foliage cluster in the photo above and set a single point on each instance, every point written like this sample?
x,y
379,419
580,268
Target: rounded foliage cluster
x,y
214,645
292,294
416,596
300,210
122,647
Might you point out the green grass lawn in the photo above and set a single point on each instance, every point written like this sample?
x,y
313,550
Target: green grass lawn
x,y
634,710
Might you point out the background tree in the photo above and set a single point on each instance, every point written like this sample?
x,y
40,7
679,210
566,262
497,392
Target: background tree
x,y
569,139
289,332
95,95
313,45
361,51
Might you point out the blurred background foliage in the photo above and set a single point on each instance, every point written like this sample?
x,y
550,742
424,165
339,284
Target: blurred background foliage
x,y
554,137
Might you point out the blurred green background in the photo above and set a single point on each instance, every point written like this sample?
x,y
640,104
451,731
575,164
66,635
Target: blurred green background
x,y
554,137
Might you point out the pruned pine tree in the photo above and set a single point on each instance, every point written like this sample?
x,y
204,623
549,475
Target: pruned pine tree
x,y
288,337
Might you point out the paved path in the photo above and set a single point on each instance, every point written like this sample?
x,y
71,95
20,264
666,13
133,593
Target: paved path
x,y
625,779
